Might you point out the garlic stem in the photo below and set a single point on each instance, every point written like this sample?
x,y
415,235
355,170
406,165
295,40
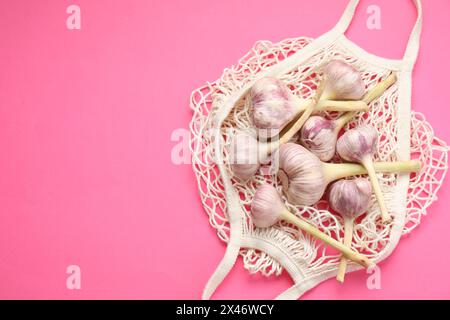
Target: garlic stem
x,y
326,94
348,236
368,164
331,105
379,88
313,231
335,105
342,121
398,166
336,171
302,104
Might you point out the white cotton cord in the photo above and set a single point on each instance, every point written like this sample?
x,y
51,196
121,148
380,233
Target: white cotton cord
x,y
227,263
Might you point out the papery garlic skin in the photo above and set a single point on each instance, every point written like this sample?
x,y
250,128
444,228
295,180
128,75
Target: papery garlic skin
x,y
301,174
243,155
267,206
343,82
350,198
319,136
358,143
273,104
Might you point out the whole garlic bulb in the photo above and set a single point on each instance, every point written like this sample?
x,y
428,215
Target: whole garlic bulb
x,y
343,82
301,174
350,198
319,136
273,104
244,156
357,144
266,206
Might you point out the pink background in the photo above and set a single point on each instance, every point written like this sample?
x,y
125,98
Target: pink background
x,y
86,117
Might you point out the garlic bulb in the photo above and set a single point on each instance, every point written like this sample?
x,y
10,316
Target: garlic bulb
x,y
359,145
267,208
244,155
304,177
273,104
301,174
343,82
319,135
350,198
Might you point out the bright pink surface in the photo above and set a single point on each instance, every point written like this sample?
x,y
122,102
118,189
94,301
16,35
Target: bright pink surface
x,y
86,117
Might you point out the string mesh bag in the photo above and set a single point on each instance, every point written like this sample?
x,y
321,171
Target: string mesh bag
x,y
271,250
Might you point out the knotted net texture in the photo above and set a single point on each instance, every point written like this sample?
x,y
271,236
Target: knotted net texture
x,y
370,235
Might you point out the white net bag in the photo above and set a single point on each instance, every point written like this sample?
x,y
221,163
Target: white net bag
x,y
370,236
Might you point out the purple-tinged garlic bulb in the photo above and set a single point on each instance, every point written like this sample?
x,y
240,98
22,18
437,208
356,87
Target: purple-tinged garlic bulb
x,y
304,177
267,208
343,82
359,145
349,198
319,135
274,105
